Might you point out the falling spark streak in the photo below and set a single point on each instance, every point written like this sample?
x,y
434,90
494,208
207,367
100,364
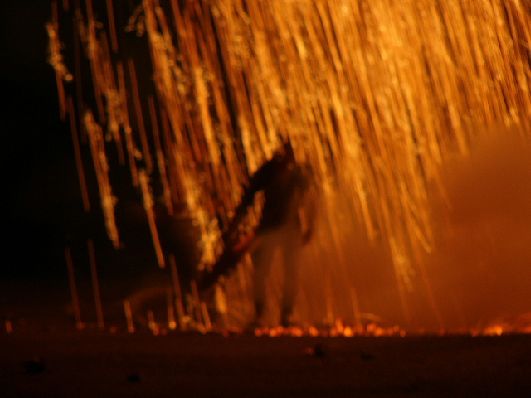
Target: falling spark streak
x,y
152,324
112,28
376,108
177,292
56,60
8,326
132,151
108,201
140,117
147,198
161,160
77,153
172,324
73,288
95,285
206,318
196,305
128,316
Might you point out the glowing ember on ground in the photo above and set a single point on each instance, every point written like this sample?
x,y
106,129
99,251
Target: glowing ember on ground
x,y
338,330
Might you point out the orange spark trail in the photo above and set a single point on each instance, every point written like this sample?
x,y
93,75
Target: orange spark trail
x,y
129,316
101,168
378,97
73,288
95,285
112,28
56,59
140,117
147,198
77,153
161,160
177,293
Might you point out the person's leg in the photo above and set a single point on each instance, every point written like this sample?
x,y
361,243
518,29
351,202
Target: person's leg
x,y
262,257
290,253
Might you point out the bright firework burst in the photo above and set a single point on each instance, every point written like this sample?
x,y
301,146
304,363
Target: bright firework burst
x,y
375,96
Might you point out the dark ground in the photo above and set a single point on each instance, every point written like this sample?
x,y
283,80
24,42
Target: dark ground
x,y
90,365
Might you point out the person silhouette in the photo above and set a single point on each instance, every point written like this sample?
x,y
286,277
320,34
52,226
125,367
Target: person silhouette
x,y
286,225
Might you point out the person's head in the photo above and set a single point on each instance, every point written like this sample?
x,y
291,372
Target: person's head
x,y
285,150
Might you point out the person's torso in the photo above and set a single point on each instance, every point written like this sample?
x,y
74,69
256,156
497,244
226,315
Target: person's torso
x,y
282,197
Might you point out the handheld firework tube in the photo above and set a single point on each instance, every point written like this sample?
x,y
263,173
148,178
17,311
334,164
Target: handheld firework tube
x,y
227,261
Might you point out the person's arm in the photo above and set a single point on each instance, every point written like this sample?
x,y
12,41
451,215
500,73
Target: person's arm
x,y
257,182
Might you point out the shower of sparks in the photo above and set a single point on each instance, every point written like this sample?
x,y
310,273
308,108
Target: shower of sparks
x,y
373,95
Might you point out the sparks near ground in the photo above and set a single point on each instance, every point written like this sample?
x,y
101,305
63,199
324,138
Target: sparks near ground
x,y
390,103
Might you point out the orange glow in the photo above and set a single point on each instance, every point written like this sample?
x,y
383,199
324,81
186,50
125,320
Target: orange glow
x,y
8,326
129,316
338,330
381,98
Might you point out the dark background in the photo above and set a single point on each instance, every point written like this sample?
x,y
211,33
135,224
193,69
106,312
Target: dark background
x,y
42,200
39,171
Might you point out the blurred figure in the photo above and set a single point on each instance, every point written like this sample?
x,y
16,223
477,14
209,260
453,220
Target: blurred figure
x,y
286,224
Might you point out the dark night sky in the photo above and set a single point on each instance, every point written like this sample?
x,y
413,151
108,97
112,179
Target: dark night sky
x,y
40,177
42,197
